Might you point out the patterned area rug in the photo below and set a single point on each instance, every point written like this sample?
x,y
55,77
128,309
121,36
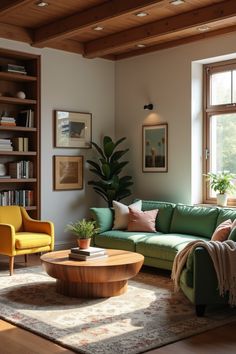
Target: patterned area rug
x,y
148,316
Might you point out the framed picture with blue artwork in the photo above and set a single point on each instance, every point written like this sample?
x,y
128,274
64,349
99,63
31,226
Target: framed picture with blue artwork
x,y
155,148
73,129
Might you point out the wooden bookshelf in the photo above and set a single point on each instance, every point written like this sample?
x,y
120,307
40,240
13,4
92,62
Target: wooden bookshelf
x,y
10,105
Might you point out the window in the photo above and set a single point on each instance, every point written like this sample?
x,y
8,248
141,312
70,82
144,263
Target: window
x,y
219,122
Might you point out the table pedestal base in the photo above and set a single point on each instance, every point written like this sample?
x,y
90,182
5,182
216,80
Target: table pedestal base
x,y
91,290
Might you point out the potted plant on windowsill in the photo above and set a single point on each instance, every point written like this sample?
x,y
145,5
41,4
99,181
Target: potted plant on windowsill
x,y
84,230
222,182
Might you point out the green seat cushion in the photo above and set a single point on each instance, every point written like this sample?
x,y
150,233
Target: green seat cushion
x,y
163,246
194,220
164,214
103,218
120,239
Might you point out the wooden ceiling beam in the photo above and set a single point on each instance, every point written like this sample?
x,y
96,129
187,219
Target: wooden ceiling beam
x,y
71,25
7,6
176,42
68,45
198,17
15,33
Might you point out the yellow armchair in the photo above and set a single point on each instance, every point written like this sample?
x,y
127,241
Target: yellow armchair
x,y
22,235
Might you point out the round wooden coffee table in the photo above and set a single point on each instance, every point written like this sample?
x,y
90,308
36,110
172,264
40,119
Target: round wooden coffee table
x,y
99,278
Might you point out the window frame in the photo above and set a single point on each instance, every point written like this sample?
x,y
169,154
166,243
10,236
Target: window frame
x,y
208,111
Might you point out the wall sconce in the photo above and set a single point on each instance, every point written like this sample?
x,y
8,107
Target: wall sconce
x,y
148,107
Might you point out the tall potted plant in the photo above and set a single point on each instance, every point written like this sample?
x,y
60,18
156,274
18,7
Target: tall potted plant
x,y
222,182
84,230
109,185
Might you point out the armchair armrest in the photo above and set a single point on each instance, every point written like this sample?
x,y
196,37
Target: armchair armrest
x,y
7,239
103,218
37,226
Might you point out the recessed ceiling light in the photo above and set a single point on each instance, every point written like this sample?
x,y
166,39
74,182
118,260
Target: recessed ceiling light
x,y
98,28
177,2
203,28
140,45
141,14
42,3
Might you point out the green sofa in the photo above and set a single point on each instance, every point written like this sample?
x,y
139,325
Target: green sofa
x,y
176,225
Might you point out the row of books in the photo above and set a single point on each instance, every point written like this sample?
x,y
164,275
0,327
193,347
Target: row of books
x,y
25,118
87,254
21,169
17,197
13,68
20,143
5,145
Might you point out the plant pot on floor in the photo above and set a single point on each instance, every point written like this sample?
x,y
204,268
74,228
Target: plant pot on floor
x,y
83,242
222,199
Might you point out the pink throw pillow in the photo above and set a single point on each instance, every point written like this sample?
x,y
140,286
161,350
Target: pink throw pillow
x,y
144,221
222,231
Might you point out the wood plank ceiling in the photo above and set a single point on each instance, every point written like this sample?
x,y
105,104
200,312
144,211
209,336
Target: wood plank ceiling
x,y
114,29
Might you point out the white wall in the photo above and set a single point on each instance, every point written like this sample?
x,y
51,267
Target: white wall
x,y
70,82
164,78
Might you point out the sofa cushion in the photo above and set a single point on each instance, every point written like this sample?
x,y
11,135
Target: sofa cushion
x,y
164,246
120,239
144,221
26,240
194,220
164,214
121,214
103,218
225,214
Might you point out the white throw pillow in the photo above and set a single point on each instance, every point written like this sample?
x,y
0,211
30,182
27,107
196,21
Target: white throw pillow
x,y
121,213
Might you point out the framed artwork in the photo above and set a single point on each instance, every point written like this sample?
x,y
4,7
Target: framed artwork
x,y
155,148
68,172
73,129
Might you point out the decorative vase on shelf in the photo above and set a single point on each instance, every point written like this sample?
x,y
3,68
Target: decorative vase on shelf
x,y
222,199
83,242
3,169
21,94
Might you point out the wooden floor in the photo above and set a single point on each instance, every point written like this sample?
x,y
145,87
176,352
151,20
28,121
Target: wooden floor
x,y
14,340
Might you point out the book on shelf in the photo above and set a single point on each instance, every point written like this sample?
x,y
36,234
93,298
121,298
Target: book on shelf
x,y
5,145
6,176
21,169
17,197
13,68
88,251
20,143
83,257
25,118
7,121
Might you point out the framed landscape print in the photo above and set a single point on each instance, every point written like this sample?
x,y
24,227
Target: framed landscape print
x,y
73,129
68,172
155,148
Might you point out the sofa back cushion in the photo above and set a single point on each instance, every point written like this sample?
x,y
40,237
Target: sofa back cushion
x,y
103,218
165,211
194,220
225,214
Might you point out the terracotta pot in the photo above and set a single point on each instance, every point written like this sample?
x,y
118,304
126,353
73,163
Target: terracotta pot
x,y
83,242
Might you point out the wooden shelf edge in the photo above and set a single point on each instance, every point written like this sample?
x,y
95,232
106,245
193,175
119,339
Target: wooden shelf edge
x,y
18,153
18,180
17,128
8,76
15,100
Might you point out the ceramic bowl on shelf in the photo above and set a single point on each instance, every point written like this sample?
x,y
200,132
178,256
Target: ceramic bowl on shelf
x,y
21,94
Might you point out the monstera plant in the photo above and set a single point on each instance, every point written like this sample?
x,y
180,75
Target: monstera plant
x,y
109,185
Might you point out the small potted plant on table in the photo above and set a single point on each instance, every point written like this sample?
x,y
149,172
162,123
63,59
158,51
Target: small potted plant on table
x,y
222,182
84,231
